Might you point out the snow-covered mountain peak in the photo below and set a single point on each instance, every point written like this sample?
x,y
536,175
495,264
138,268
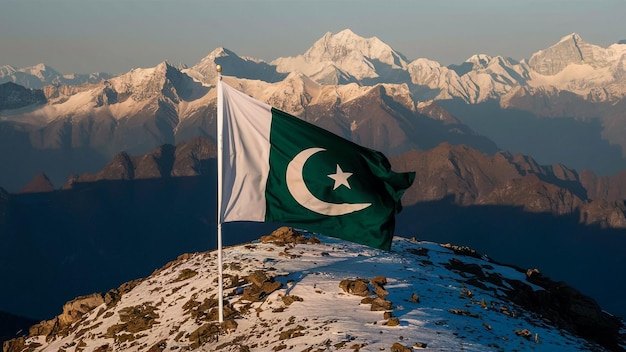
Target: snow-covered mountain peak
x,y
571,37
479,60
356,56
291,291
135,76
294,93
232,65
302,80
41,71
217,53
571,49
38,67
346,45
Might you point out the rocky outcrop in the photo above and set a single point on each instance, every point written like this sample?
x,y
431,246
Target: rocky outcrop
x,y
185,159
533,195
40,183
457,171
192,158
568,308
72,312
610,188
287,235
13,326
606,214
120,168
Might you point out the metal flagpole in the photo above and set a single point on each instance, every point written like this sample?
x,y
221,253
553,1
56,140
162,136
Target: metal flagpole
x,y
220,130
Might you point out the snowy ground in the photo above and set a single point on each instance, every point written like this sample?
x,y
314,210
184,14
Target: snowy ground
x,y
431,308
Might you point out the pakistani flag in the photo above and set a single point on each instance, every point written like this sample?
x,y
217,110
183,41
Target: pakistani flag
x,y
276,167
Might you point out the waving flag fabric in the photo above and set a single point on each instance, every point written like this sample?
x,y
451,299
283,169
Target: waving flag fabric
x,y
277,167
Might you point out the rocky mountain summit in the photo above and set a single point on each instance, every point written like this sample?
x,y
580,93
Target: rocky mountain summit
x,y
571,49
41,183
186,159
298,291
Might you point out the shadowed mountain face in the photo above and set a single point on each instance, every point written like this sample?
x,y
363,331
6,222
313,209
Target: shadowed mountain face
x,y
566,139
14,96
63,244
12,325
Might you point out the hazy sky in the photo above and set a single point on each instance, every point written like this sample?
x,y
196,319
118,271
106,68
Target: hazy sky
x,y
116,35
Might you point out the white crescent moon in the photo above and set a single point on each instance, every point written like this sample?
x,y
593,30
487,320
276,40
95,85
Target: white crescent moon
x,y
302,195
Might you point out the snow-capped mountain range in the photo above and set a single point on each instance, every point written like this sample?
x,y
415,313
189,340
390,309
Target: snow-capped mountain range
x,y
304,292
357,87
571,65
42,75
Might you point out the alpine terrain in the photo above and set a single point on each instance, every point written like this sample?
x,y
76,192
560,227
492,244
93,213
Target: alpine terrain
x,y
105,178
290,291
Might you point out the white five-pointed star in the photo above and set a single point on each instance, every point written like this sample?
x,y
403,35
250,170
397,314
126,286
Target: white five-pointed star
x,y
340,177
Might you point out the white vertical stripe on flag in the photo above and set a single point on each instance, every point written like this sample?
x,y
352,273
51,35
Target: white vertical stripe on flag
x,y
246,149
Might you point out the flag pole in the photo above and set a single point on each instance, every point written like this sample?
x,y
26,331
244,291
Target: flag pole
x,y
220,129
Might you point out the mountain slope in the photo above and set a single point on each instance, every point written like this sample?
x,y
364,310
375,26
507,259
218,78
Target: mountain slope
x,y
290,291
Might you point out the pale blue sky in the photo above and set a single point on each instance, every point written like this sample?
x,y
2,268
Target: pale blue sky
x,y
116,35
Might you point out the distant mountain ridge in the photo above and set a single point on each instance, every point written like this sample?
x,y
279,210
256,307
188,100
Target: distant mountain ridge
x,y
145,108
583,82
357,87
41,75
467,175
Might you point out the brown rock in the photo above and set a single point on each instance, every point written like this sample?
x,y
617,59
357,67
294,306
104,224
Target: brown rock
x,y
380,304
261,286
415,298
378,282
40,183
257,278
357,287
72,312
393,321
286,235
398,347
14,345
